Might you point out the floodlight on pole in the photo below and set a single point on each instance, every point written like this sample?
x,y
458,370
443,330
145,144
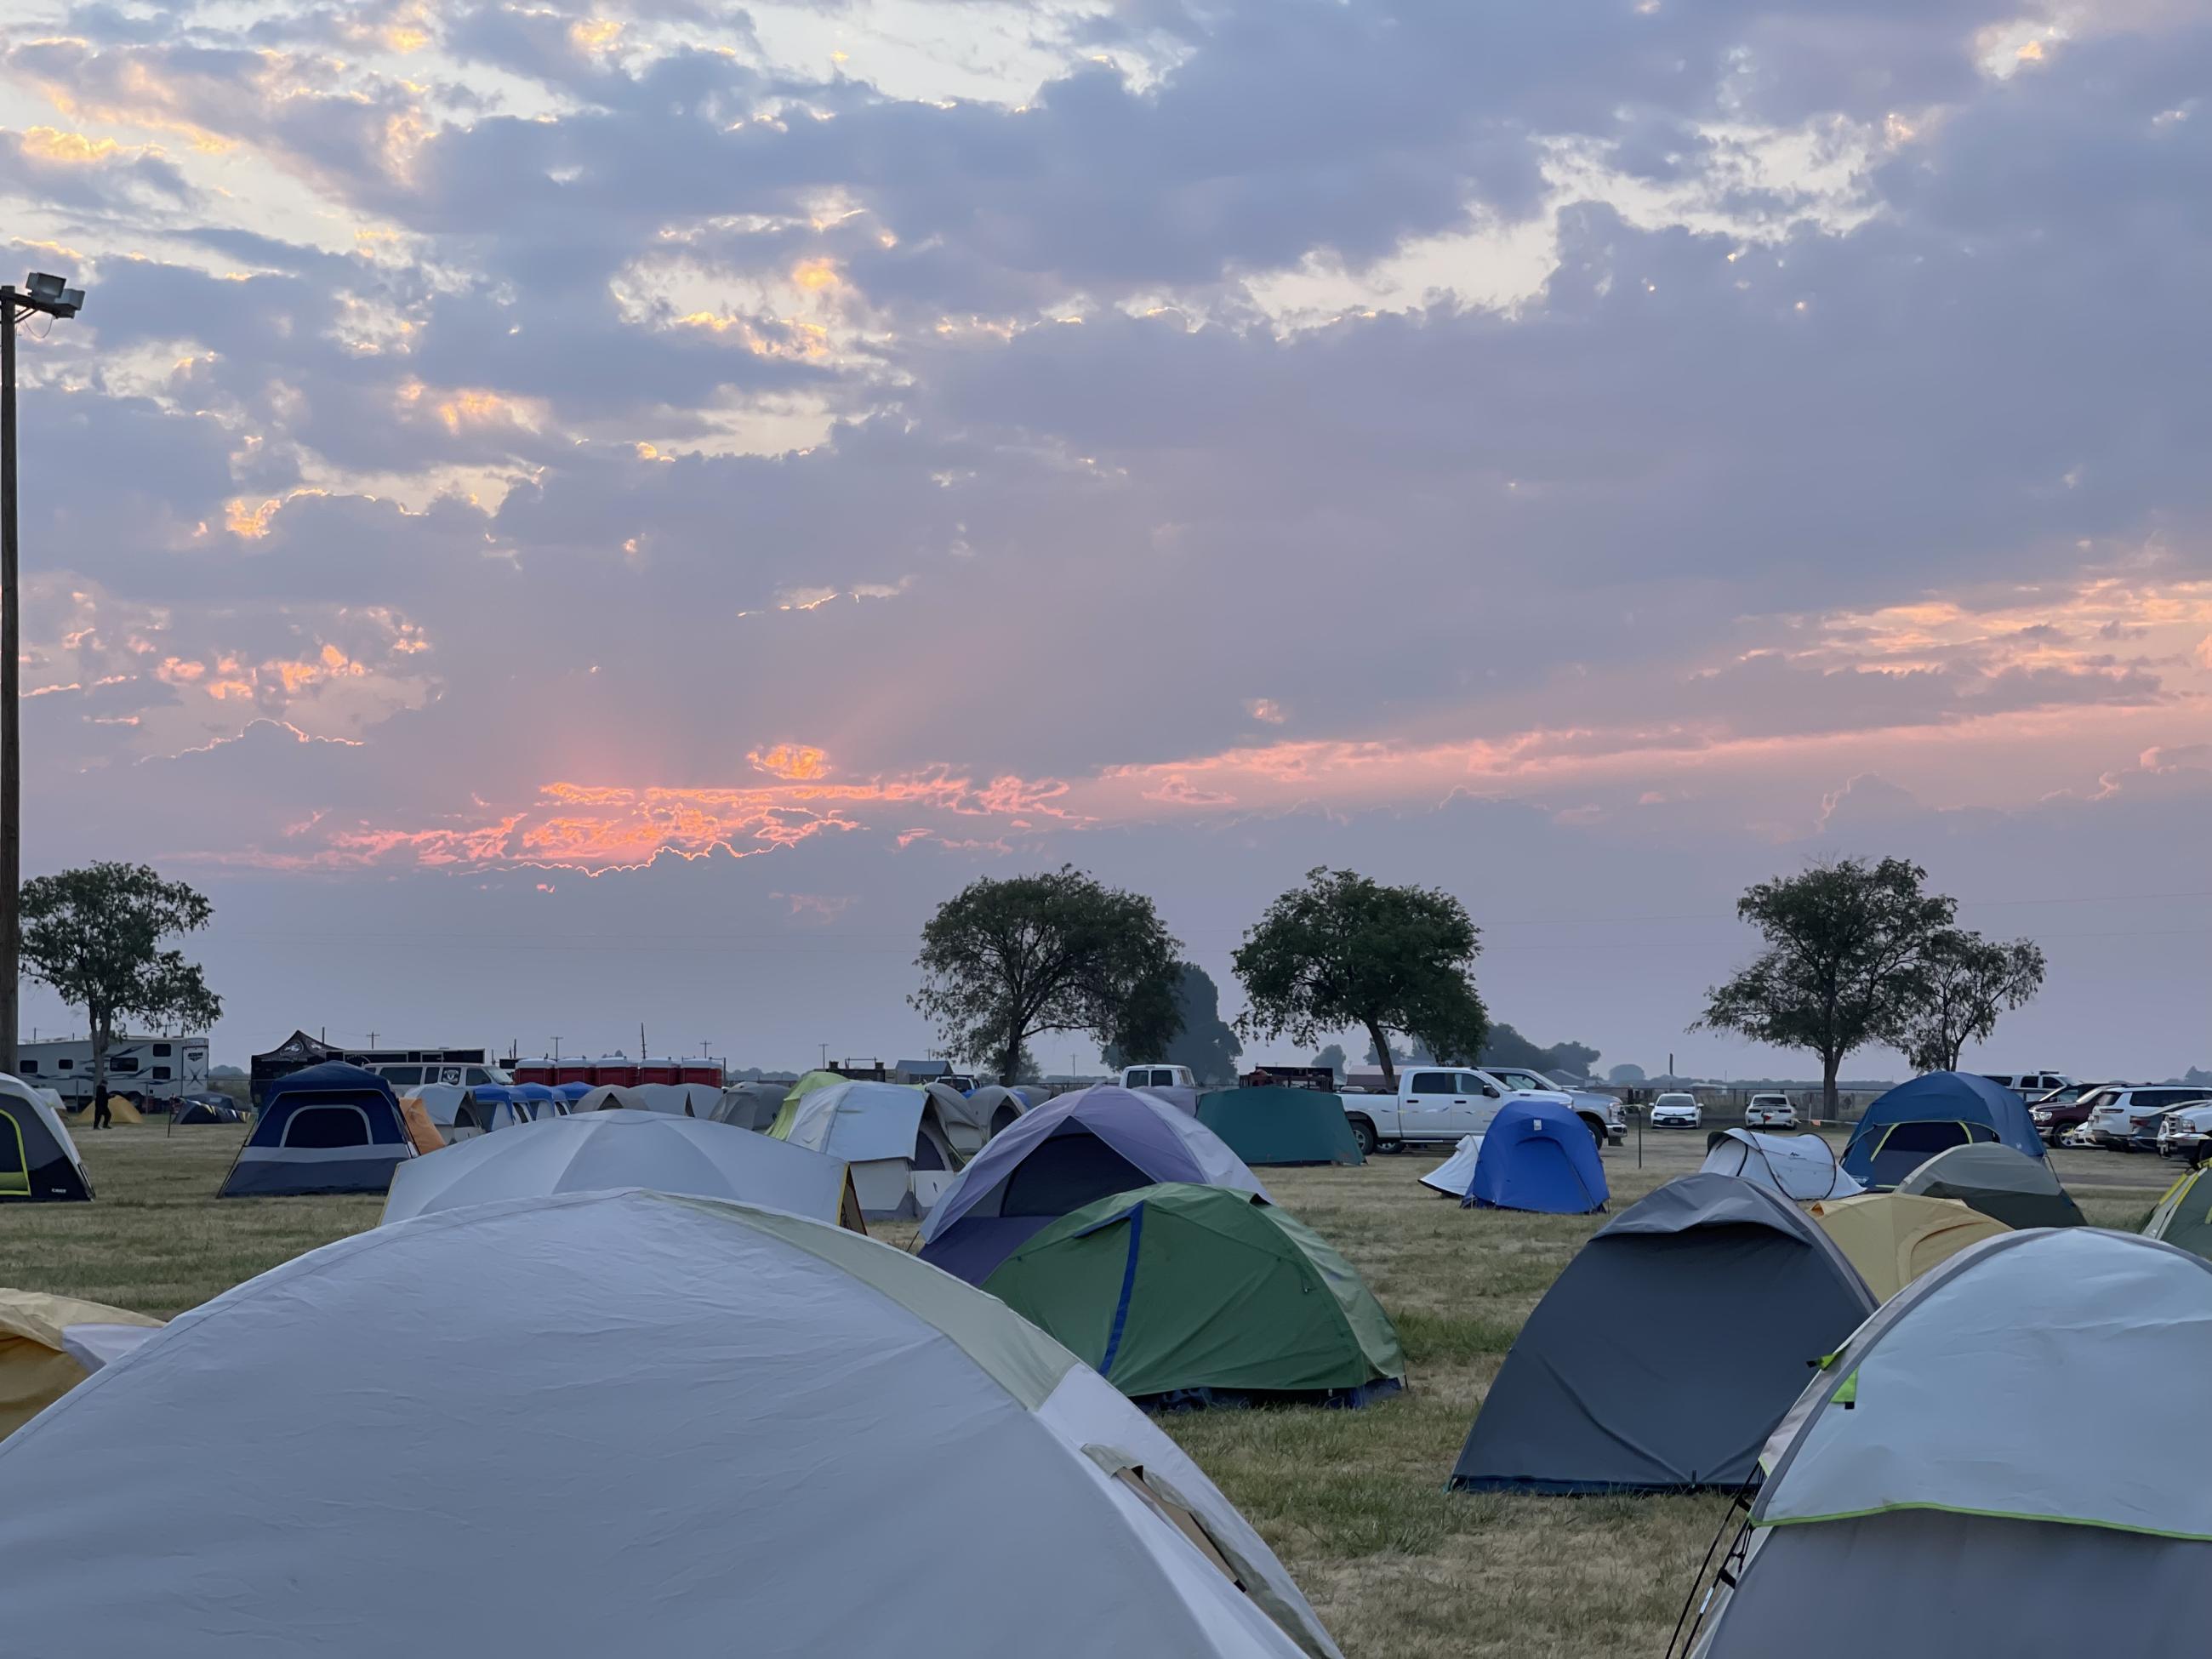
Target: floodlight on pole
x,y
46,295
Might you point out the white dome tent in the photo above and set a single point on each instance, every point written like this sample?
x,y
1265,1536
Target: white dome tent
x,y
1799,1167
884,1132
1898,1509
603,1442
605,1151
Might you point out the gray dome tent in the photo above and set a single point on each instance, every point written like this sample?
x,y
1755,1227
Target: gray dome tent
x,y
2002,1184
1983,1459
1664,1355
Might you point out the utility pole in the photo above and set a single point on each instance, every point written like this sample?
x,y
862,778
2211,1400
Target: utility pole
x,y
49,297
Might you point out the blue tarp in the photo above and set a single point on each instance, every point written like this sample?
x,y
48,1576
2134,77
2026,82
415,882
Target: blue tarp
x,y
1537,1155
1987,1111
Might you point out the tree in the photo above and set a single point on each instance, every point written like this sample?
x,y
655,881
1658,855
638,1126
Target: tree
x,y
95,936
1846,944
1413,1051
1345,951
1624,1076
1965,982
1008,960
1206,1042
1332,1057
1507,1046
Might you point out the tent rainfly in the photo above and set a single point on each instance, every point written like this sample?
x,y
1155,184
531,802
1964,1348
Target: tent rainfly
x,y
1452,1176
1071,1152
1931,1114
1537,1155
1276,1125
602,1151
328,1128
39,1162
50,1344
1663,1356
750,1105
1893,1238
2019,1191
1185,1295
1800,1167
871,1411
1000,1106
1978,1458
884,1131
2184,1216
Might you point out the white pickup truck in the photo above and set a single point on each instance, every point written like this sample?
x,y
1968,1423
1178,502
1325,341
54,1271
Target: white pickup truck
x,y
1433,1104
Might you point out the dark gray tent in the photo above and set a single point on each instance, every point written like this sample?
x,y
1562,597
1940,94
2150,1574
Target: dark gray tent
x,y
750,1105
1665,1354
2002,1184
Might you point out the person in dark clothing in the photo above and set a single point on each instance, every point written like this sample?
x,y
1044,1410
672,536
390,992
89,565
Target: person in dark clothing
x,y
102,1118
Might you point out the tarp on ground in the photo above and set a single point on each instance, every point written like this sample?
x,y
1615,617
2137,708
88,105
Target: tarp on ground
x,y
1537,1155
328,1128
1915,1121
1072,1151
1802,1167
1188,1294
2002,1184
1893,1238
602,1151
1986,1456
39,1162
2184,1216
1280,1125
614,1409
37,1335
1665,1354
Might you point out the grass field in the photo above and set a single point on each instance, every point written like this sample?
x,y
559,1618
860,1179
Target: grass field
x,y
1354,1502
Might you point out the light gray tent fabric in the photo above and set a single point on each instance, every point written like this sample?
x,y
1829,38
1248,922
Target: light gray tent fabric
x,y
1922,1585
997,1106
1802,1167
750,1105
1452,1176
604,1151
1664,1355
650,1424
2002,1184
614,1097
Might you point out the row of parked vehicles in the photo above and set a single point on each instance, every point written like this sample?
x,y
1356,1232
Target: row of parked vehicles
x,y
2171,1119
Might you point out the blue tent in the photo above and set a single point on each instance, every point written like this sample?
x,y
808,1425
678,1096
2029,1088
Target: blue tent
x,y
1932,1113
1537,1155
329,1129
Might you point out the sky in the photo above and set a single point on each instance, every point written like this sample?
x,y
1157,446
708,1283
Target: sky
x,y
565,517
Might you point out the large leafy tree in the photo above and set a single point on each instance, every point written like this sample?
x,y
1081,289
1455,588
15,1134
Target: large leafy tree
x,y
1006,960
1965,982
96,935
1345,951
1206,1042
1847,946
1507,1046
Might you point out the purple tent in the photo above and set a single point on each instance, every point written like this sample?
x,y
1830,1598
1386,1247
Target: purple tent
x,y
1069,1152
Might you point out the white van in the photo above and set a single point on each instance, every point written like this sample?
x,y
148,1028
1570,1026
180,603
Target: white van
x,y
2029,1086
1158,1077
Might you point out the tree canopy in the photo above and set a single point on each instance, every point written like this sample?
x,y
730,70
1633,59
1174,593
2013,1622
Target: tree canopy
x,y
1345,950
1206,1043
94,935
1965,982
1507,1046
1005,960
1846,944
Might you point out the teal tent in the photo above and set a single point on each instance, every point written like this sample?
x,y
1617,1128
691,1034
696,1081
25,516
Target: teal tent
x,y
1277,1125
1184,1295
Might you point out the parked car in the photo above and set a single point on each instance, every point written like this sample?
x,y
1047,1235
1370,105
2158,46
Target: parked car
x,y
1605,1115
1436,1103
2181,1132
1770,1112
2029,1086
1676,1110
2116,1112
2150,1132
2062,1110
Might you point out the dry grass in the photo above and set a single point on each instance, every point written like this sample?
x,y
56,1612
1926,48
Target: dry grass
x,y
1354,1502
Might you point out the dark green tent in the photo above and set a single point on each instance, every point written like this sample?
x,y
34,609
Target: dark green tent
x,y
1277,1125
1188,1295
2002,1184
2184,1216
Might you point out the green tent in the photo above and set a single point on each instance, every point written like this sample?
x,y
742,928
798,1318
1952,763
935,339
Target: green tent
x,y
1185,1295
2184,1216
1277,1125
780,1129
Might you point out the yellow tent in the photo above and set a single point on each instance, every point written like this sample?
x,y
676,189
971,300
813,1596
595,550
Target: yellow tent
x,y
780,1129
35,1369
123,1111
421,1131
1893,1238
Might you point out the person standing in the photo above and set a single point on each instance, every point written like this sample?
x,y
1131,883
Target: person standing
x,y
102,1118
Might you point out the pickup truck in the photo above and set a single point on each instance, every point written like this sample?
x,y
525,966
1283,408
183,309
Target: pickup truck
x,y
1435,1105
1603,1113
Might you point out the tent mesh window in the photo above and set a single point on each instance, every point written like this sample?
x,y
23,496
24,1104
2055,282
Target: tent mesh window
x,y
327,1126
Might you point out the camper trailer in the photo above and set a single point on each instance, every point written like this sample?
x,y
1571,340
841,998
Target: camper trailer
x,y
139,1068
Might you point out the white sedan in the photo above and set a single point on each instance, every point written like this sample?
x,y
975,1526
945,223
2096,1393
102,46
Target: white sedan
x,y
1676,1111
1770,1112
